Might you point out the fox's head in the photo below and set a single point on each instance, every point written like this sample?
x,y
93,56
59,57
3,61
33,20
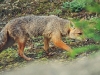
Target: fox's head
x,y
75,33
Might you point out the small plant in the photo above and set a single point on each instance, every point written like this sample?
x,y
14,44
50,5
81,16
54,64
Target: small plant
x,y
75,5
39,55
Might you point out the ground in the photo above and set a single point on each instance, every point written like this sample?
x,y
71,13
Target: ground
x,y
10,59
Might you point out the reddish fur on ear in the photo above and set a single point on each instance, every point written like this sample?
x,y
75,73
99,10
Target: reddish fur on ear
x,y
68,31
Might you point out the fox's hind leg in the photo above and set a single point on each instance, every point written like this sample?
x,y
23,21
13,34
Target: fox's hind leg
x,y
21,45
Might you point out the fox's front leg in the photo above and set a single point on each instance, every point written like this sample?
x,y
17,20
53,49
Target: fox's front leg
x,y
56,38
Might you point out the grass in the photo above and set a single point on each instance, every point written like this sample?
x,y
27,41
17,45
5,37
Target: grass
x,y
90,28
84,49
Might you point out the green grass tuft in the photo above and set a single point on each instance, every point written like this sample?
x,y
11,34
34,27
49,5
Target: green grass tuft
x,y
88,48
90,28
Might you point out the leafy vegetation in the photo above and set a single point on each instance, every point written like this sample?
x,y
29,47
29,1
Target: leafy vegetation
x,y
91,28
95,7
74,6
84,49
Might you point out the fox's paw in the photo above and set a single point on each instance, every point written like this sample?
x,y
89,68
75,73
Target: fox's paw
x,y
29,59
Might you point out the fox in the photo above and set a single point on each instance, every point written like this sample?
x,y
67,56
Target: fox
x,y
51,27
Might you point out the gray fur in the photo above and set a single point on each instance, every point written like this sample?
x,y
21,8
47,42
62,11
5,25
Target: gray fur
x,y
29,26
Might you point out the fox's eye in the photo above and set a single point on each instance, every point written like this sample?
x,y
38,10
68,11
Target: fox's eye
x,y
73,28
80,33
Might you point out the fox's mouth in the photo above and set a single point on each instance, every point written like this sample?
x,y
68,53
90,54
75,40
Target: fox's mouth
x,y
78,40
74,40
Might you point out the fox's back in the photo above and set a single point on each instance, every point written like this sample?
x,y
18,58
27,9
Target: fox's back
x,y
29,25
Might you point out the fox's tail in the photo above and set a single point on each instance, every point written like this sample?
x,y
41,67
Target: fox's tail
x,y
5,39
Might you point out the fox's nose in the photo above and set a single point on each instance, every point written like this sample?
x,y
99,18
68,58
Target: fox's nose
x,y
85,39
80,33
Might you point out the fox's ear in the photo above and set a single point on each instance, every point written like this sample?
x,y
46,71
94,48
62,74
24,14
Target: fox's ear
x,y
72,24
68,31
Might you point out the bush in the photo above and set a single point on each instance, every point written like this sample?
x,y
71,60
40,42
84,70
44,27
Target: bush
x,y
76,5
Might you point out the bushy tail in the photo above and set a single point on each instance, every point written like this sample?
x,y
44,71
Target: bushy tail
x,y
5,39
